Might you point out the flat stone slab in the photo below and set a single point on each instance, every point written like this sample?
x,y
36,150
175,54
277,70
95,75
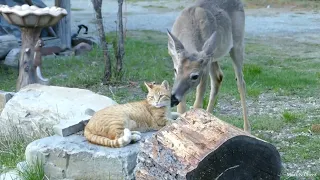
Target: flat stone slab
x,y
73,157
67,128
37,108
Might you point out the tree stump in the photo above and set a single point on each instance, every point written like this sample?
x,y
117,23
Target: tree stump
x,y
200,146
27,62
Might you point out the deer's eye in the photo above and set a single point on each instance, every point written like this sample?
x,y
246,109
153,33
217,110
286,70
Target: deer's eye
x,y
194,76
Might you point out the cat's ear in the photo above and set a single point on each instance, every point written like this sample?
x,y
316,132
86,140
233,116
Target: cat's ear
x,y
165,84
149,85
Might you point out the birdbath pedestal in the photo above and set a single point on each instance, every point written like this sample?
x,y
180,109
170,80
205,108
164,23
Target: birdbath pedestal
x,y
31,20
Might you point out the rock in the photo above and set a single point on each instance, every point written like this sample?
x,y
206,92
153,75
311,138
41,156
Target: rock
x,y
50,50
82,48
73,157
86,39
7,42
37,108
12,59
4,98
11,175
66,53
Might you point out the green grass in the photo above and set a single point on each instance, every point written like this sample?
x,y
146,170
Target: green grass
x,y
147,59
77,9
13,143
291,117
155,6
33,171
307,149
266,70
258,122
12,148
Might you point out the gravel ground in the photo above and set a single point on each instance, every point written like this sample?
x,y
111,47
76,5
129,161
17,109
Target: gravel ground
x,y
160,15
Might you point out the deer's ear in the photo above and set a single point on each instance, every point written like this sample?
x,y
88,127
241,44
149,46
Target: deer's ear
x,y
165,84
174,45
210,45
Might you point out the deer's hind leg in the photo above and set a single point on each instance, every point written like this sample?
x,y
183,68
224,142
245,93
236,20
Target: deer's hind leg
x,y
216,77
237,56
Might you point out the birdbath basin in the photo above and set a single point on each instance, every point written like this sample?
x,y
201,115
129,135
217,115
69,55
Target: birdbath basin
x,y
32,16
31,20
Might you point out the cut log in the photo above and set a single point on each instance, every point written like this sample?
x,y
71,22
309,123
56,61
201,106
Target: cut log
x,y
200,146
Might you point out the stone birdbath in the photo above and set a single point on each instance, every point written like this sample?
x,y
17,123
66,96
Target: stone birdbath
x,y
31,20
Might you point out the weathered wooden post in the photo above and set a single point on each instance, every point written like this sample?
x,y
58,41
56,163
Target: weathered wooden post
x,y
63,27
200,146
31,20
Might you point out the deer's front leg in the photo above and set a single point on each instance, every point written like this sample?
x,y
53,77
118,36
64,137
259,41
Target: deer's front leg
x,y
182,106
175,115
170,121
201,89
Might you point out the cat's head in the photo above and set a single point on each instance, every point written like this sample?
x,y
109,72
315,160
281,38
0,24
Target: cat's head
x,y
159,94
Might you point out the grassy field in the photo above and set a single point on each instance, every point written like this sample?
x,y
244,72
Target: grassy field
x,y
278,93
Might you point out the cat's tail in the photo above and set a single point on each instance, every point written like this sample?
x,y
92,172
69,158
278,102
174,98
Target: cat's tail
x,y
116,143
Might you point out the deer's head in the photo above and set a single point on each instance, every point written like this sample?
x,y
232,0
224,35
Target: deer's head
x,y
188,66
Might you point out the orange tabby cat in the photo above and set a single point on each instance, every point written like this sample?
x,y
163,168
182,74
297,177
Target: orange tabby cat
x,y
118,125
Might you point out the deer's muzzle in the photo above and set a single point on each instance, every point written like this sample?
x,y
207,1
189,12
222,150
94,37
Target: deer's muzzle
x,y
174,101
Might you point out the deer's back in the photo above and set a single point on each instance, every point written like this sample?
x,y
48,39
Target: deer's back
x,y
227,5
196,23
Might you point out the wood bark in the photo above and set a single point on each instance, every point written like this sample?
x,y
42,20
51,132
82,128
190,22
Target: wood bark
x,y
27,69
120,49
104,45
200,146
63,27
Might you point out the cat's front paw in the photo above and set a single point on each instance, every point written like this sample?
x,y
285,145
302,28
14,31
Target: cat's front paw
x,y
136,132
135,137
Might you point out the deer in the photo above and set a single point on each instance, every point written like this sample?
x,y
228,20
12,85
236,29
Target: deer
x,y
201,35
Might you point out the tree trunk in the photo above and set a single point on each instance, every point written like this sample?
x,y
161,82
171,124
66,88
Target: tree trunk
x,y
120,48
104,45
27,67
63,27
200,146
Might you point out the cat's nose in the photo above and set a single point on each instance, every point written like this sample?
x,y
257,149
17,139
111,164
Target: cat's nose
x,y
174,101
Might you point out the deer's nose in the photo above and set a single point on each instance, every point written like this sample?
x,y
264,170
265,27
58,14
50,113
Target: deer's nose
x,y
174,101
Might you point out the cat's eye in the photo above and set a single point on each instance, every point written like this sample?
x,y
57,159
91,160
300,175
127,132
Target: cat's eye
x,y
150,97
175,71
